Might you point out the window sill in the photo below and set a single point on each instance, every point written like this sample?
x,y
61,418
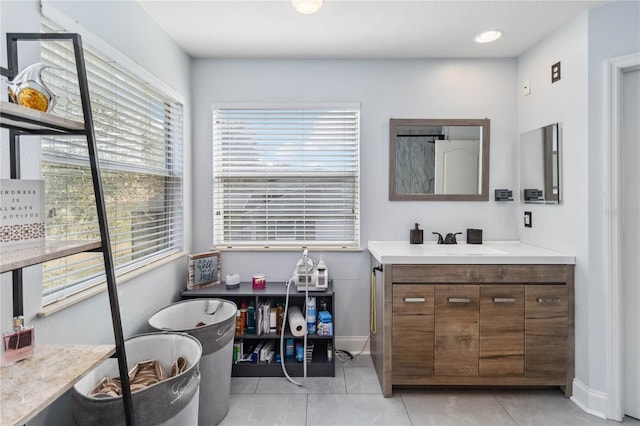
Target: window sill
x,y
100,287
289,248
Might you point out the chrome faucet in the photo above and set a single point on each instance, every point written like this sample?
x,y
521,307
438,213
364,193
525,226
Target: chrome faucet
x,y
449,239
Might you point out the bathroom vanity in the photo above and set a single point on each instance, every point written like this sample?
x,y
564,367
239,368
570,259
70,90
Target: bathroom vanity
x,y
495,314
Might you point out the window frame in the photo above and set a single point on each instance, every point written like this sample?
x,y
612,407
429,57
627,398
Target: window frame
x,y
274,245
87,286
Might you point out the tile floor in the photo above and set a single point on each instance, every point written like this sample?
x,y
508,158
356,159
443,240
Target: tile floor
x,y
353,397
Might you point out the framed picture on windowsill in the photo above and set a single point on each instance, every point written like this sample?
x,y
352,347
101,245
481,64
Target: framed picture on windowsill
x,y
204,269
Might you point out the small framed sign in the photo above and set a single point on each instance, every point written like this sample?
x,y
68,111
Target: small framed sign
x,y
204,270
21,211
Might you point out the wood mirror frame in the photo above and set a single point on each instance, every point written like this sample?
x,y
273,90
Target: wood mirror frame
x,y
482,195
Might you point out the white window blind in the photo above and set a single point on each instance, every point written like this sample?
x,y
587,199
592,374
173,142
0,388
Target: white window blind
x,y
286,177
139,137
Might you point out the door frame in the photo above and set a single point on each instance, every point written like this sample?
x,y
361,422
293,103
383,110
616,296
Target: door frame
x,y
615,69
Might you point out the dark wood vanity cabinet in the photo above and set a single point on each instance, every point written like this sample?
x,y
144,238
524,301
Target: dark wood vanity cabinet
x,y
482,325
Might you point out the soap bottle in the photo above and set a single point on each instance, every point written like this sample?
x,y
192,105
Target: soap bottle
x,y
415,235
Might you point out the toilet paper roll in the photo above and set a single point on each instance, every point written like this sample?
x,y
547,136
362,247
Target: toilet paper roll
x,y
297,323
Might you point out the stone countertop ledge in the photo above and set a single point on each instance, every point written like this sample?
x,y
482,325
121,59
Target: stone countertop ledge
x,y
28,387
488,253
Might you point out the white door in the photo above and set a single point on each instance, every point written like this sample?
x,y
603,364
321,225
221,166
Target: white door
x,y
457,168
630,236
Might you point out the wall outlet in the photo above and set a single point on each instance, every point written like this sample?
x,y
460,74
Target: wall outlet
x,y
527,220
526,87
555,72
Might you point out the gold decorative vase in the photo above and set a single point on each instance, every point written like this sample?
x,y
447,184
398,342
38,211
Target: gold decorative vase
x,y
28,89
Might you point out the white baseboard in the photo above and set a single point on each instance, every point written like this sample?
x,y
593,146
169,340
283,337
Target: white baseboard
x,y
353,344
591,401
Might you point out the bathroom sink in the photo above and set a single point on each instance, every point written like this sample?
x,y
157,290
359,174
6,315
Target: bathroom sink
x,y
488,253
459,250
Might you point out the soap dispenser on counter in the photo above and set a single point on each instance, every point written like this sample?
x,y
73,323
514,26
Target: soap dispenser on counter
x,y
415,235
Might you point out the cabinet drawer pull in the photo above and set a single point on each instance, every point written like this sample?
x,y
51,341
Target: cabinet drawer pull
x,y
504,300
415,299
458,300
548,300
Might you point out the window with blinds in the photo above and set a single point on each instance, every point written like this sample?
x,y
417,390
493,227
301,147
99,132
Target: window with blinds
x,y
286,177
139,136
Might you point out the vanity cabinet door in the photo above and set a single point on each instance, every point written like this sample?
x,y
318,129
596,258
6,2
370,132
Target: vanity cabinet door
x,y
456,330
546,331
502,330
412,347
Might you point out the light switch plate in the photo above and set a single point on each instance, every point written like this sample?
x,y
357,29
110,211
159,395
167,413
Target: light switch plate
x,y
527,220
555,72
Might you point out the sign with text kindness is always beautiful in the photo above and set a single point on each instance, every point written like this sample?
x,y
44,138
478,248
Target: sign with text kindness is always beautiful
x,y
21,211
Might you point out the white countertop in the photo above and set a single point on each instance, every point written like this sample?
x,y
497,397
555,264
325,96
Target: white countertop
x,y
488,253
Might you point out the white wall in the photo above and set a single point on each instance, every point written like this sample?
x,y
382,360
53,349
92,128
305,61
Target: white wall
x,y
614,30
562,227
576,225
384,89
89,322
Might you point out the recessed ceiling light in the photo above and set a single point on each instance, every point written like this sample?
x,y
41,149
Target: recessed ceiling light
x,y
488,36
307,7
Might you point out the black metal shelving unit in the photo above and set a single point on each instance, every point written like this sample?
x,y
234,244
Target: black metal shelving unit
x,y
322,364
23,121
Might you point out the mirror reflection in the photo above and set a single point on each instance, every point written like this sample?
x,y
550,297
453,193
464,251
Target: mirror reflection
x,y
439,159
540,165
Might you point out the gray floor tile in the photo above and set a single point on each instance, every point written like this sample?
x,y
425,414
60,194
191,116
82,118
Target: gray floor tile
x,y
444,408
263,410
275,385
356,409
353,397
363,360
362,380
546,407
244,384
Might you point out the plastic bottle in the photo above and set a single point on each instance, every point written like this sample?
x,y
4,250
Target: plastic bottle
x,y
290,349
243,317
238,324
279,317
299,352
251,320
311,315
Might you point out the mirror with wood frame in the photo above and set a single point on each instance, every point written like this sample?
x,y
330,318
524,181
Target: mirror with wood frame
x,y
439,159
